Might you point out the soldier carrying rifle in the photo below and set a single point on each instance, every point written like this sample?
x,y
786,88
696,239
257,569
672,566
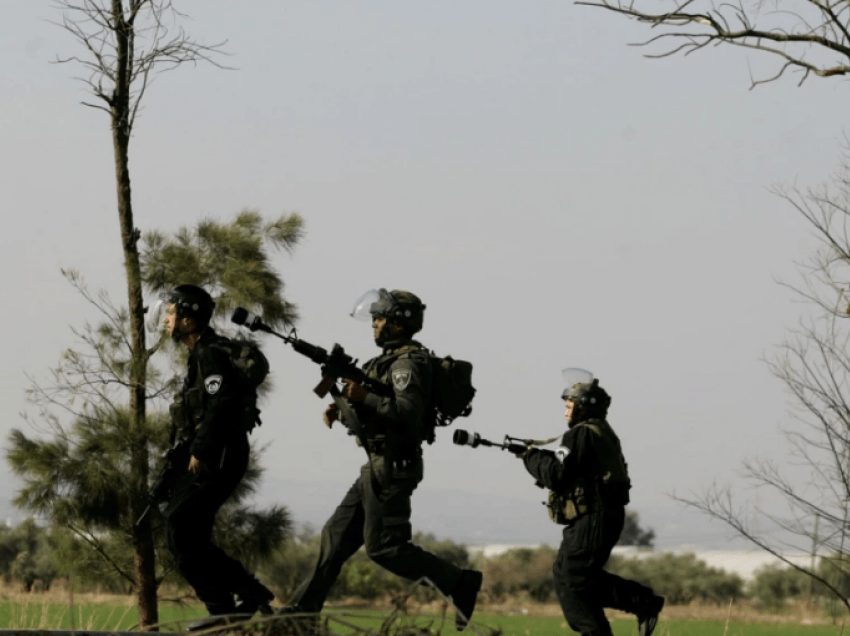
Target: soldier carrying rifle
x,y
589,488
395,422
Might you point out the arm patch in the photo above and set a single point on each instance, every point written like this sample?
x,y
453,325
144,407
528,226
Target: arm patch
x,y
401,378
212,383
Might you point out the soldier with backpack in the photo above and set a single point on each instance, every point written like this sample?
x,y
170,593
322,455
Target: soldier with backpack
x,y
589,487
214,412
375,512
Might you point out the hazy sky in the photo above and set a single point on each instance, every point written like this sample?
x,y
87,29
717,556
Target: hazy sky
x,y
555,198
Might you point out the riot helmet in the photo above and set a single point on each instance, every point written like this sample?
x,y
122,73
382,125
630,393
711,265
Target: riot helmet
x,y
401,308
190,301
582,389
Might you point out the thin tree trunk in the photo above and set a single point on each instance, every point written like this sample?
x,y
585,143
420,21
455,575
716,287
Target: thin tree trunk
x,y
144,558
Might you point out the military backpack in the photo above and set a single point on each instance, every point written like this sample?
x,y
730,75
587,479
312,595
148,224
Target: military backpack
x,y
252,368
452,388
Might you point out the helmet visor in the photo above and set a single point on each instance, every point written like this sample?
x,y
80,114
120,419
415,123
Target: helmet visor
x,y
156,315
573,376
375,302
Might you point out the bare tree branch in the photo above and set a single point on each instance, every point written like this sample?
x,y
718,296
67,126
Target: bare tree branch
x,y
155,44
98,547
804,27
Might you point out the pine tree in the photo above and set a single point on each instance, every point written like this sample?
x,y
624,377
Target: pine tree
x,y
81,475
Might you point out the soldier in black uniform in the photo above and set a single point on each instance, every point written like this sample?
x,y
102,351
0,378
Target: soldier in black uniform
x,y
376,511
210,411
589,483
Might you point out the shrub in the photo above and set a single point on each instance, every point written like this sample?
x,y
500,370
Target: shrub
x,y
681,578
521,571
775,584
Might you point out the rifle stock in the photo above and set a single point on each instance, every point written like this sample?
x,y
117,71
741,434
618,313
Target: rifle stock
x,y
175,458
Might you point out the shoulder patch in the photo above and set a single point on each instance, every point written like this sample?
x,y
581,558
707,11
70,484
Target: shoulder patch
x,y
212,384
401,378
561,453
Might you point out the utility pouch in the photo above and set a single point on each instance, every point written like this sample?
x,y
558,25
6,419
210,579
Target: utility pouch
x,y
193,403
178,419
565,509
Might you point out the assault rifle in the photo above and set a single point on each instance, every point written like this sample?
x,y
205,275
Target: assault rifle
x,y
515,445
175,461
335,366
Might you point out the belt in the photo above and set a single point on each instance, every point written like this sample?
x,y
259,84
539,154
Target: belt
x,y
377,447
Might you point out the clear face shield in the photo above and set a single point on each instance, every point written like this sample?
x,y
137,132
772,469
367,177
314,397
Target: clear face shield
x,y
374,302
155,321
573,376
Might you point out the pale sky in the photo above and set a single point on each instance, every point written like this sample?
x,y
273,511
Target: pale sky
x,y
555,199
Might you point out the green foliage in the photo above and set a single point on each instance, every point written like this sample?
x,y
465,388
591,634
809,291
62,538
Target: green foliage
x,y
681,578
360,577
521,572
775,584
82,487
446,549
82,477
83,473
249,535
633,534
102,566
26,555
229,260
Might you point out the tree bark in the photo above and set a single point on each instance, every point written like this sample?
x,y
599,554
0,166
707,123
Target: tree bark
x,y
144,558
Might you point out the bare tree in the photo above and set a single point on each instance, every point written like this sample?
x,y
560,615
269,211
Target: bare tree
x,y
809,36
814,365
125,44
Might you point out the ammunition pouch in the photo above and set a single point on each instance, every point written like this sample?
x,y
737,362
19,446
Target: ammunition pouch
x,y
249,414
377,447
193,405
182,427
565,509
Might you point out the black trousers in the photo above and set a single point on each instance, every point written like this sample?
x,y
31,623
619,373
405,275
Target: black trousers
x,y
190,514
583,587
380,521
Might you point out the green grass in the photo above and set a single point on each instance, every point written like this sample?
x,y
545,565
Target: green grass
x,y
114,617
552,626
93,616
557,626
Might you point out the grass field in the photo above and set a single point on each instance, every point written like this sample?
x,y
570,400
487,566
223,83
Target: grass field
x,y
557,626
33,612
551,626
100,616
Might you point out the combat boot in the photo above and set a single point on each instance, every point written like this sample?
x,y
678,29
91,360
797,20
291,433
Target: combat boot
x,y
648,616
221,613
464,596
255,598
